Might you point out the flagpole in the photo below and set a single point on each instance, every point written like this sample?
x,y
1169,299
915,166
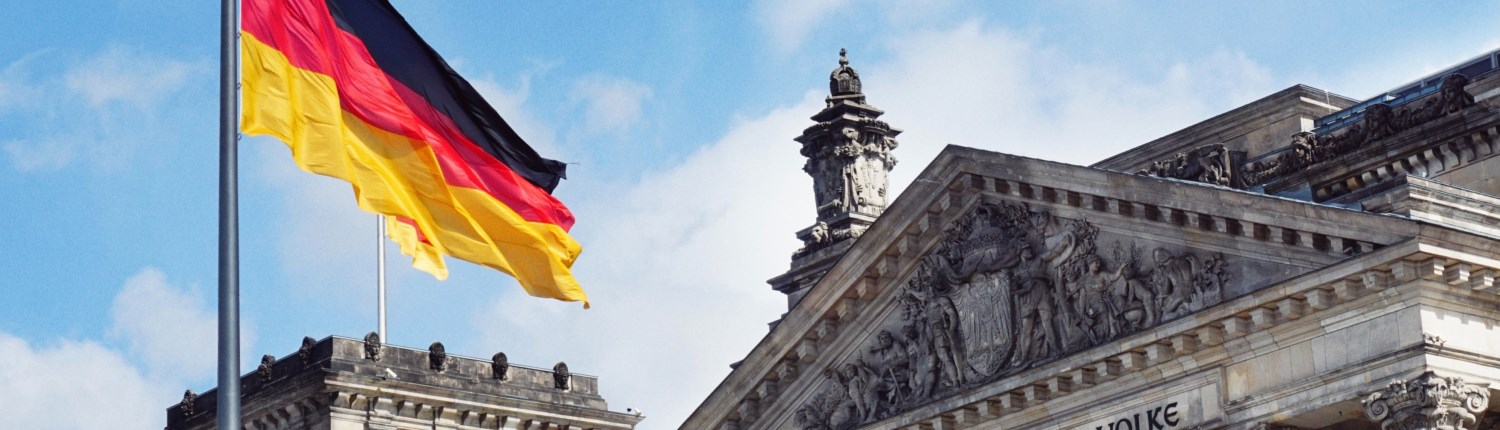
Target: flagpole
x,y
228,414
380,273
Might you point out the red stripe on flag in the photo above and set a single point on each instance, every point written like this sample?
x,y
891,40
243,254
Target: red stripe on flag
x,y
304,31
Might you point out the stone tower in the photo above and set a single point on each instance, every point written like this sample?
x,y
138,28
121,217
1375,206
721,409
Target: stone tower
x,y
848,156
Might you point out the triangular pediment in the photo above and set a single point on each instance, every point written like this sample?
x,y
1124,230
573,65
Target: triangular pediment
x,y
991,266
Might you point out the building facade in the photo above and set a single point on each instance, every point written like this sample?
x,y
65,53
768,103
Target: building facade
x,y
348,384
1303,261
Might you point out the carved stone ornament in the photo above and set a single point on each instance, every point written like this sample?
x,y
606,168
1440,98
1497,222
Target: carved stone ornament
x,y
849,157
437,357
373,346
560,376
305,352
186,405
1211,164
1380,121
1007,289
499,366
844,80
1428,402
264,371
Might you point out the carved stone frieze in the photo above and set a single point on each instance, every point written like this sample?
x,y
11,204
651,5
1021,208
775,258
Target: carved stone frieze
x,y
1380,121
1212,164
1428,402
1009,288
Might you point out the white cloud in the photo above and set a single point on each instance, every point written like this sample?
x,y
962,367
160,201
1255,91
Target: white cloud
x,y
675,268
169,341
40,156
127,75
73,385
789,22
613,104
170,328
982,86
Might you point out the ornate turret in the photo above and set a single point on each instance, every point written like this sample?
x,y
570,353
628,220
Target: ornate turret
x,y
848,156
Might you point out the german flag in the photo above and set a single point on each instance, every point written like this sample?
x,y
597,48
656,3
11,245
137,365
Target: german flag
x,y
358,96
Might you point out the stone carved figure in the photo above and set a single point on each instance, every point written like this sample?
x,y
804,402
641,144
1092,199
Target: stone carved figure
x,y
437,357
1452,97
560,376
187,405
1379,121
372,346
1208,164
1427,402
305,352
1007,288
264,371
499,366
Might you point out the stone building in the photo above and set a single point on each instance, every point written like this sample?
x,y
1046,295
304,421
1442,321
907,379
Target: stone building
x,y
346,384
1303,261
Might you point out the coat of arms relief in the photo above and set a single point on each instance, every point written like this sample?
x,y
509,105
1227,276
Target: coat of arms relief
x,y
1008,288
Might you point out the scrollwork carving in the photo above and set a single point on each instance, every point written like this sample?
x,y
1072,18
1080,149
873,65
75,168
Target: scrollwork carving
x,y
1427,402
1008,288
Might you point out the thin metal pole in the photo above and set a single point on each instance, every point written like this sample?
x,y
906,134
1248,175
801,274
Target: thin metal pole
x,y
380,273
228,414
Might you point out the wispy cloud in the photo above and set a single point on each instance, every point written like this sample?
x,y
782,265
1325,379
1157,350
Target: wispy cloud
x,y
41,156
787,23
127,75
100,109
612,104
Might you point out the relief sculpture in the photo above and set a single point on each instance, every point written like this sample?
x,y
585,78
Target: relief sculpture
x,y
1379,121
1007,289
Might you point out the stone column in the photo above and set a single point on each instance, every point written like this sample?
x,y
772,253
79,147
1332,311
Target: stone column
x,y
1427,402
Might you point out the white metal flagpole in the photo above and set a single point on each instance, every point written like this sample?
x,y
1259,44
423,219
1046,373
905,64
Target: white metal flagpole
x,y
380,274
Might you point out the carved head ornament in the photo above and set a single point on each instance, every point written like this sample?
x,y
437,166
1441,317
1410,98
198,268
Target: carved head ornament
x,y
437,357
373,346
560,376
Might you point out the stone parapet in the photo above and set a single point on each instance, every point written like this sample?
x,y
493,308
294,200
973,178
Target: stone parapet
x,y
349,380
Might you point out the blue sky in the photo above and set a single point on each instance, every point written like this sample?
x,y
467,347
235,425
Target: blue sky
x,y
678,117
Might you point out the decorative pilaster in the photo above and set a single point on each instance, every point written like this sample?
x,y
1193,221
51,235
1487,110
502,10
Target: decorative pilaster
x,y
1427,402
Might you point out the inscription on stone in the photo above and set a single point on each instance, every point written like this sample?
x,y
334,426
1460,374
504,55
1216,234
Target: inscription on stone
x,y
1179,411
1160,417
